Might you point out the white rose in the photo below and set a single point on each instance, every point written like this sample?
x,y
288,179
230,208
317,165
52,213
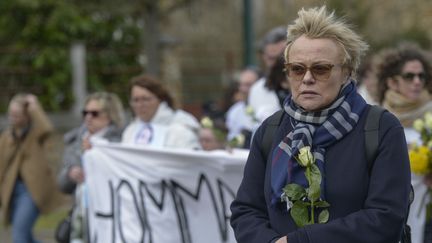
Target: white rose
x,y
305,157
428,120
206,122
418,125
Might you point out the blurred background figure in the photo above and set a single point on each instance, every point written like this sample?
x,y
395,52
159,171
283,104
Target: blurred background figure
x,y
213,134
26,177
103,118
262,100
277,80
238,120
366,81
157,123
404,77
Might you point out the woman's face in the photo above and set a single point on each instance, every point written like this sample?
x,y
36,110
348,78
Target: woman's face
x,y
17,116
95,118
410,82
144,103
317,89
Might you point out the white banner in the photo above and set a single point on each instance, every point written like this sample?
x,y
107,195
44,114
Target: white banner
x,y
161,196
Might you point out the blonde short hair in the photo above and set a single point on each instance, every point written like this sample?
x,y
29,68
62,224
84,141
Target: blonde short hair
x,y
112,105
318,23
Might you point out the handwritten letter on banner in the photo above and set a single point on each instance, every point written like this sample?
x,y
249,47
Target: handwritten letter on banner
x,y
154,196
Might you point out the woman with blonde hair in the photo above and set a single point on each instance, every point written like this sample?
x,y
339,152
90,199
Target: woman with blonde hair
x,y
314,183
103,119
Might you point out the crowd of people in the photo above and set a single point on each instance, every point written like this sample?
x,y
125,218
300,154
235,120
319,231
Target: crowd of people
x,y
315,76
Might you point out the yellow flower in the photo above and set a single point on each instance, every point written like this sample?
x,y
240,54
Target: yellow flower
x,y
305,157
419,160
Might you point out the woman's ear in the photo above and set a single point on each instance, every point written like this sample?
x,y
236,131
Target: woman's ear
x,y
392,83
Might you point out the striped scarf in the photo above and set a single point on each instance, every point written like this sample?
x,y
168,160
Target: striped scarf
x,y
316,129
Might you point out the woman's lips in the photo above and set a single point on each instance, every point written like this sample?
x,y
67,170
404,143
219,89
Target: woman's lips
x,y
309,93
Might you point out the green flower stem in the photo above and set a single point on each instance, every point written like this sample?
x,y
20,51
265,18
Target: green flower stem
x,y
308,172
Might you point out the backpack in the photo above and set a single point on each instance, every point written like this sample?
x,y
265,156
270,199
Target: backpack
x,y
371,129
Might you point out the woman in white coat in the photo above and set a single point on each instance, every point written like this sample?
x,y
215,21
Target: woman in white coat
x,y
157,123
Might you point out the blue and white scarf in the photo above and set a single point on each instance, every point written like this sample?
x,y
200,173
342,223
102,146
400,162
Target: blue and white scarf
x,y
316,129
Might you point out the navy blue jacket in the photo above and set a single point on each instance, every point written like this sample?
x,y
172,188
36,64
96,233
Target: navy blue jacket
x,y
366,206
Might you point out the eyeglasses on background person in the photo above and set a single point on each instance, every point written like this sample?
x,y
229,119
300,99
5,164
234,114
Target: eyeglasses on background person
x,y
409,76
93,113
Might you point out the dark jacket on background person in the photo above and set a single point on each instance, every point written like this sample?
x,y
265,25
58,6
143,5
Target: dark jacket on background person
x,y
365,206
73,152
28,158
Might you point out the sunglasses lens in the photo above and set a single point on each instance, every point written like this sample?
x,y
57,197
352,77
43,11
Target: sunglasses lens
x,y
92,113
321,71
422,76
296,71
410,76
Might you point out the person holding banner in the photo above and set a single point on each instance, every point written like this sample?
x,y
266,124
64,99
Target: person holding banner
x,y
315,184
157,123
103,119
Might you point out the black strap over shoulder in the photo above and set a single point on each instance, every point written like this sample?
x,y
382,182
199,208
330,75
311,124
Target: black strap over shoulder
x,y
273,123
371,129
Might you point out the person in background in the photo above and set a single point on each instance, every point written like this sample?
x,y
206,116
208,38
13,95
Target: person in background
x,y
26,178
157,123
317,160
404,75
262,100
238,120
103,118
367,83
213,134
277,80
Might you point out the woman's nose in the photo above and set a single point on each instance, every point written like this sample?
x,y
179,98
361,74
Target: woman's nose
x,y
308,77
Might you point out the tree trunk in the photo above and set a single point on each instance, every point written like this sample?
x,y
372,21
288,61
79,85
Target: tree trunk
x,y
152,37
79,82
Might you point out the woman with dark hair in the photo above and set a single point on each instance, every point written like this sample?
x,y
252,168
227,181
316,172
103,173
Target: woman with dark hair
x,y
404,78
262,100
366,81
157,122
277,80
